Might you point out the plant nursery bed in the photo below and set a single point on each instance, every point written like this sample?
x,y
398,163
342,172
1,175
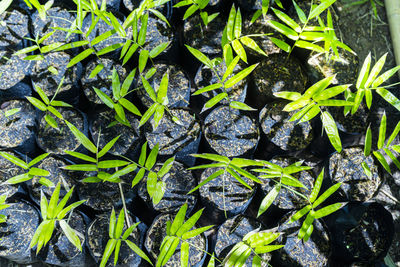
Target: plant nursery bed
x,y
198,133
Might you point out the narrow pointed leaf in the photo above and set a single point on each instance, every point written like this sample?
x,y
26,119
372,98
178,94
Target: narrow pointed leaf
x,y
326,194
268,199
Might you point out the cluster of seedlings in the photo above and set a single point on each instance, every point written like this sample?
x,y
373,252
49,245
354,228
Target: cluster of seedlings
x,y
189,133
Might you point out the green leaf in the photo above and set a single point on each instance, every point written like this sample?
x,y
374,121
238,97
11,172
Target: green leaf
x,y
320,8
150,73
81,56
238,25
331,130
184,254
49,48
300,14
116,251
143,29
281,44
357,101
42,95
238,48
178,220
138,251
287,20
363,76
116,84
159,15
208,179
107,147
130,53
163,89
105,98
382,132
331,92
200,56
151,183
120,224
306,225
318,87
109,49
19,179
250,43
51,121
120,114
190,11
269,199
127,83
143,57
317,187
326,194
389,97
238,178
288,32
150,91
366,169
14,160
189,223
26,50
72,45
300,213
335,103
143,154
138,177
328,210
166,251
11,112
70,234
158,49
37,103
128,169
291,181
196,232
231,24
241,106
293,96
56,103
82,138
166,167
151,159
159,192
378,155
240,76
129,106
34,57
215,100
208,88
38,159
105,164
368,97
112,224
301,102
310,114
228,53
394,134
385,76
38,172
53,202
212,157
64,212
375,70
110,246
81,167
